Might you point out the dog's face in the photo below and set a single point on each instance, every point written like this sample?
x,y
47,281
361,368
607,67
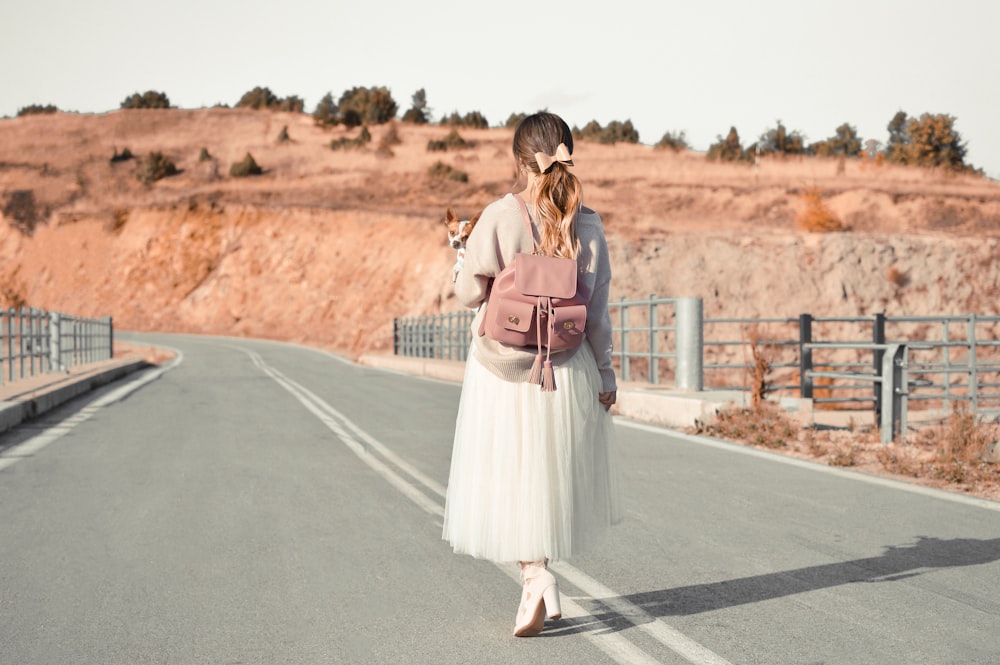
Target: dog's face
x,y
458,229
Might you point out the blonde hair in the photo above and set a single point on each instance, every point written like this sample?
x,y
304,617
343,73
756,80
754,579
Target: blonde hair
x,y
560,193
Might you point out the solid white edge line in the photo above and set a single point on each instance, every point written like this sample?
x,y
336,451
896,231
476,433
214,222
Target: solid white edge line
x,y
613,644
660,630
31,446
394,479
616,646
891,483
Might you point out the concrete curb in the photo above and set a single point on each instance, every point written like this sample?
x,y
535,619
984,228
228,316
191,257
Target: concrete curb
x,y
639,402
35,401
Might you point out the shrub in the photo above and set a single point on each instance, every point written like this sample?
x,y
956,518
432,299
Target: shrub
x,y
816,216
263,99
155,167
283,136
122,156
453,141
929,141
418,113
259,98
514,119
292,104
780,141
36,109
442,171
767,426
845,142
675,141
246,167
728,149
363,138
615,132
147,100
897,277
325,114
204,155
391,136
473,119
21,209
373,106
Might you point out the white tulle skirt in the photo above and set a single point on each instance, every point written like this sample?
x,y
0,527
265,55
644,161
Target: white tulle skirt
x,y
533,474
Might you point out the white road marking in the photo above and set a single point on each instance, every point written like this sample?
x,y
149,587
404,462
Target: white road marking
x,y
31,446
333,419
815,466
611,642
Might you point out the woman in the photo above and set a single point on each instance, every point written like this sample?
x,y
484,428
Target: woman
x,y
534,474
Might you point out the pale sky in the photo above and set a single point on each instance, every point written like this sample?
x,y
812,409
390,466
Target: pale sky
x,y
695,66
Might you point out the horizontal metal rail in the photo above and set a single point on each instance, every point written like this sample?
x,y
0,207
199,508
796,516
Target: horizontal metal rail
x,y
35,342
956,358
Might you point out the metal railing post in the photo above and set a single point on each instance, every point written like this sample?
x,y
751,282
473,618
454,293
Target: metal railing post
x,y
805,356
878,337
623,317
55,343
894,389
973,372
654,363
946,338
690,344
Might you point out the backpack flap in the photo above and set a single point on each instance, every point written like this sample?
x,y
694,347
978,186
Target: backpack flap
x,y
569,323
537,275
514,315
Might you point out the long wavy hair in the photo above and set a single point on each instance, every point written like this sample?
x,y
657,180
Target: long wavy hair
x,y
560,193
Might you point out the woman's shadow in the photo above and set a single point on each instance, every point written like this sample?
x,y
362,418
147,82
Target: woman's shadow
x,y
896,563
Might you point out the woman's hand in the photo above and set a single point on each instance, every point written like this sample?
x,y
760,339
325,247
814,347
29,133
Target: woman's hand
x,y
607,399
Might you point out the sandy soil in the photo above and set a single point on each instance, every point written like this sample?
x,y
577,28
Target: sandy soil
x,y
328,246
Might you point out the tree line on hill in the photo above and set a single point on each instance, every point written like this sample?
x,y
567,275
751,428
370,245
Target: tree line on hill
x,y
929,140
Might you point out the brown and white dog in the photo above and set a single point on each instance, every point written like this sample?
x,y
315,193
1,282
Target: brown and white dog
x,y
458,234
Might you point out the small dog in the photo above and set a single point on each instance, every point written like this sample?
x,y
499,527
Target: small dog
x,y
458,234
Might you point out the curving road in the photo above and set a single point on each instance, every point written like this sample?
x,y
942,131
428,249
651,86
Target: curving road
x,y
268,503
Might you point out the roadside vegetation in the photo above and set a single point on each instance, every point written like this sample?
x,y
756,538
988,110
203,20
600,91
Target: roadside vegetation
x,y
961,452
929,140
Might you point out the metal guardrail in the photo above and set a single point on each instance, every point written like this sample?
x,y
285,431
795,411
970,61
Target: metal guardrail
x,y
667,340
34,342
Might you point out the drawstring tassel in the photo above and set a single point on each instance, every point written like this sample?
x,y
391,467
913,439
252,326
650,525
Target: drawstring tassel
x,y
536,370
548,378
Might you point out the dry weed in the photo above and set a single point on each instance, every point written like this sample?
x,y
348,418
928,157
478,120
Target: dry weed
x,y
767,425
816,216
761,354
958,445
897,277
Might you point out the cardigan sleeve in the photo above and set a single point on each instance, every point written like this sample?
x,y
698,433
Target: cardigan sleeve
x,y
497,237
599,330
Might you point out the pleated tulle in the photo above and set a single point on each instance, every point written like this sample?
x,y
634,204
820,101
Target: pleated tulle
x,y
533,474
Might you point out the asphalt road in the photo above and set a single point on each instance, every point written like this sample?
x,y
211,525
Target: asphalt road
x,y
267,503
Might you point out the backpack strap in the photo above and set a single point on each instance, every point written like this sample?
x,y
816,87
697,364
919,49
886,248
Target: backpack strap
x,y
527,221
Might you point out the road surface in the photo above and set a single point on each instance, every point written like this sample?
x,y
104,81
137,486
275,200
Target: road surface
x,y
268,503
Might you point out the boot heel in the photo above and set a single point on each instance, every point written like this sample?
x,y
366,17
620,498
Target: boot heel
x,y
551,598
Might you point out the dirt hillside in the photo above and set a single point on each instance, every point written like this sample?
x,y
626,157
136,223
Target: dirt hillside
x,y
327,246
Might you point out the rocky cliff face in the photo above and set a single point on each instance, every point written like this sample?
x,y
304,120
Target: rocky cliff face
x,y
327,247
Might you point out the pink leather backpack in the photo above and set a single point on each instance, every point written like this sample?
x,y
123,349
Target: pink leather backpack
x,y
537,301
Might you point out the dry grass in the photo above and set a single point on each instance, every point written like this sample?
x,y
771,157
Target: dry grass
x,y
897,277
816,216
767,425
951,454
762,355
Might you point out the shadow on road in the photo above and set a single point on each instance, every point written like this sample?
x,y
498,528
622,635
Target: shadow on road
x,y
895,564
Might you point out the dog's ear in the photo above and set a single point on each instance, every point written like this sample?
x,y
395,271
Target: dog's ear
x,y
450,217
475,218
